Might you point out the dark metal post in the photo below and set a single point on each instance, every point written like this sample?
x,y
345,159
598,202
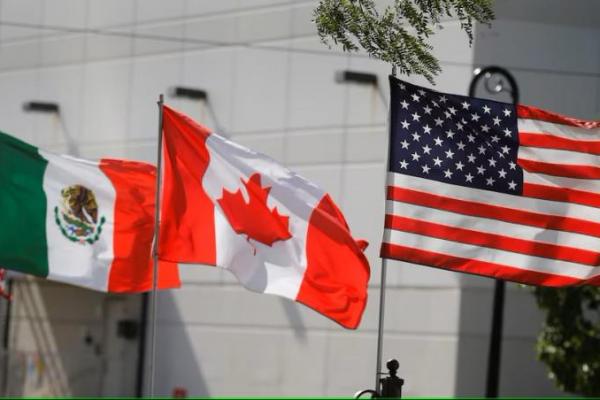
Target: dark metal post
x,y
6,339
505,82
139,391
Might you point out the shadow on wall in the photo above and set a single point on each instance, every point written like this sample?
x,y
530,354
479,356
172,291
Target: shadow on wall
x,y
177,367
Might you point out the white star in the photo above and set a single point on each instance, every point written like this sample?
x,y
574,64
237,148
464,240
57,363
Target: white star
x,y
425,169
404,144
452,110
500,154
404,104
492,162
480,170
459,126
502,173
481,149
449,154
416,117
461,145
427,110
486,110
447,114
512,185
512,165
405,124
443,99
435,103
439,121
415,156
475,117
427,129
485,128
416,136
450,134
495,139
471,138
448,173
421,92
465,105
426,149
459,165
415,97
438,141
490,181
507,112
402,86
403,164
437,162
471,158
469,177
496,121
505,149
507,132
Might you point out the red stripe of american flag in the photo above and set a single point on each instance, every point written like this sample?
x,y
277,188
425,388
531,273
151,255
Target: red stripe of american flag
x,y
496,241
472,266
490,211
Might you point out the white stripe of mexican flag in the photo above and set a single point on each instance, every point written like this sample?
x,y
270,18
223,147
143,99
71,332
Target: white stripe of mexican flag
x,y
79,254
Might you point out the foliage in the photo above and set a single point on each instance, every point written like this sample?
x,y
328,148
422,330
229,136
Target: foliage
x,y
397,35
569,343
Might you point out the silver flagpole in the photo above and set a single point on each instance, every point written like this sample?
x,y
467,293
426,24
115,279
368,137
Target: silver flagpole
x,y
381,318
378,372
151,367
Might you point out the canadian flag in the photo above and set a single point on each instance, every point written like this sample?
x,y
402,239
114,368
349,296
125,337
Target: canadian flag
x,y
278,233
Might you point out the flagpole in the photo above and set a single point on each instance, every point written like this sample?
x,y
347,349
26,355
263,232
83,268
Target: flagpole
x,y
153,303
378,372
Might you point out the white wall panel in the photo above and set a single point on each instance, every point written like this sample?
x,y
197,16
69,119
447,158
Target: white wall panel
x,y
106,101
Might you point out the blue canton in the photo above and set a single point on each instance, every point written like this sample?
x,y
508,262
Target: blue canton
x,y
454,139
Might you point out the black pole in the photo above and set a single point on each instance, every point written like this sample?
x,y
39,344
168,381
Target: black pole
x,y
142,346
6,337
495,349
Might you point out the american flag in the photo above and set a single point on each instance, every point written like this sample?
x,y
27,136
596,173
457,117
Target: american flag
x,y
491,188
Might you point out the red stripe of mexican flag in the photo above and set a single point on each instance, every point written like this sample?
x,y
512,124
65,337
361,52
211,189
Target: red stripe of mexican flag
x,y
278,233
75,221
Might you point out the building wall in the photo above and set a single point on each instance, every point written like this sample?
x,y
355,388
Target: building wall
x,y
271,87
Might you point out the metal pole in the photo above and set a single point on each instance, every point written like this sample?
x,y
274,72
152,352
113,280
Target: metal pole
x,y
381,319
151,368
495,348
378,372
6,339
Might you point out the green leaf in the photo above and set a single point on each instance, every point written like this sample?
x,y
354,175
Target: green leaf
x,y
397,35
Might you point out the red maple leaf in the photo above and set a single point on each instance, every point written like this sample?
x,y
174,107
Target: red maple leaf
x,y
254,219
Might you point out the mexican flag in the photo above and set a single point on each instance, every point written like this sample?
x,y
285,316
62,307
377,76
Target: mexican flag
x,y
81,222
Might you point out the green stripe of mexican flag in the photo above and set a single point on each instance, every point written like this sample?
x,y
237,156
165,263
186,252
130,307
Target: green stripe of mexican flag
x,y
76,221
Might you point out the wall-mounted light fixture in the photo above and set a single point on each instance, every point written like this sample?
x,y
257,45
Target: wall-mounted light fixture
x,y
189,93
196,94
41,106
363,78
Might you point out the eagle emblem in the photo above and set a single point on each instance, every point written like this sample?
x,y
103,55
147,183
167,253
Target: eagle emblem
x,y
77,215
